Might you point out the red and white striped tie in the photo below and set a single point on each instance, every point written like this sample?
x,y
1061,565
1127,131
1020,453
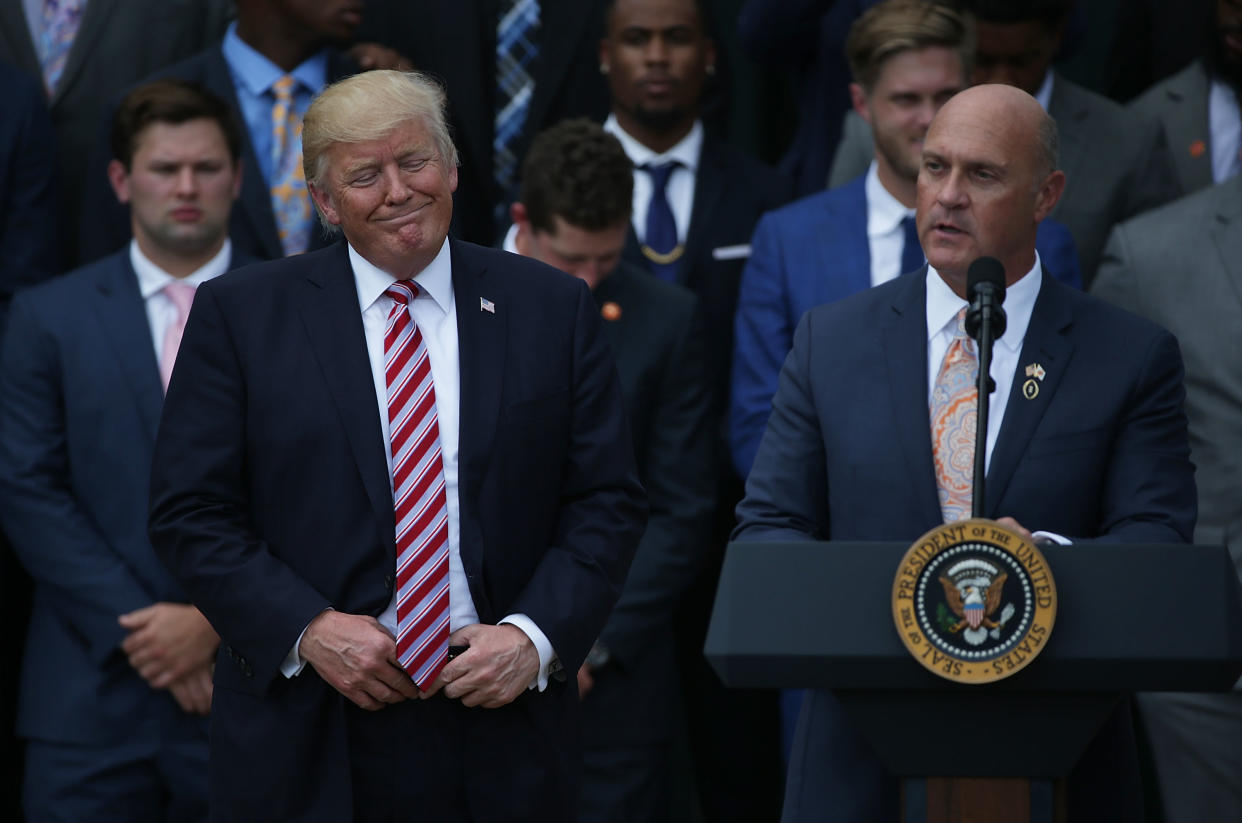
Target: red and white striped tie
x,y
418,495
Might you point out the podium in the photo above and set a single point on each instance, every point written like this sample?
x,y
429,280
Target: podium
x,y
1130,617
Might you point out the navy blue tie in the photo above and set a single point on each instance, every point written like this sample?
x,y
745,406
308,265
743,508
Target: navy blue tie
x,y
911,253
660,245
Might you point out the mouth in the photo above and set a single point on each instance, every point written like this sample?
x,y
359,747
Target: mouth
x,y
657,86
947,231
403,217
187,214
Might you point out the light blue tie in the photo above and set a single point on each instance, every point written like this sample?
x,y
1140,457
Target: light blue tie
x,y
516,51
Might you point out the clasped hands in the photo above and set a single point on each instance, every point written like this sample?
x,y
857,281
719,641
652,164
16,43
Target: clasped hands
x,y
172,646
358,657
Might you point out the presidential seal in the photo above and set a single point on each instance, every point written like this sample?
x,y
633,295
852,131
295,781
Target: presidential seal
x,y
974,601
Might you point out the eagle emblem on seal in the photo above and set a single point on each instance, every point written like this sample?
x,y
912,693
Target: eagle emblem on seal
x,y
973,590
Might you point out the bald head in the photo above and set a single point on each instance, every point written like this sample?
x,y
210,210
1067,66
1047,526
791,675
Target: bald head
x,y
988,177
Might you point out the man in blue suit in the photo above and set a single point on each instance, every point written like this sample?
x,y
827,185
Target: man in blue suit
x,y
396,468
1096,448
117,670
908,57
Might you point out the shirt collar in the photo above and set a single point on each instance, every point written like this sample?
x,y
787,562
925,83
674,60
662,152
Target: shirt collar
x,y
1044,94
436,279
884,212
943,305
152,279
686,152
253,70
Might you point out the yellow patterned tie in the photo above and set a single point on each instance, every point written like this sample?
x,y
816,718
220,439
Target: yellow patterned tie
x,y
290,200
954,418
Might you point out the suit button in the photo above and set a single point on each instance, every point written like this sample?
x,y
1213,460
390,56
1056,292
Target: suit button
x,y
388,581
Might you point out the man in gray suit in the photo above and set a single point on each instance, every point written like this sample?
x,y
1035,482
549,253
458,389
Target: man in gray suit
x,y
1181,266
1198,107
1117,162
112,44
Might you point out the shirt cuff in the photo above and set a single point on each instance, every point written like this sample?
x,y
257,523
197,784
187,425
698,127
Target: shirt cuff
x,y
1052,537
546,654
293,663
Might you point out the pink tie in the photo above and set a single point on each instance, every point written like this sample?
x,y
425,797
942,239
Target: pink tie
x,y
954,416
421,507
182,296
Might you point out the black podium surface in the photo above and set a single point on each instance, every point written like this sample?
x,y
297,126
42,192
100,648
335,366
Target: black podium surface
x,y
1130,617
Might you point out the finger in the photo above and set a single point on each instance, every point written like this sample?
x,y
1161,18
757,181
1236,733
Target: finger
x,y
403,684
136,618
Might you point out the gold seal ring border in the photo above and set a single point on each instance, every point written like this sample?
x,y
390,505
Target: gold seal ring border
x,y
943,664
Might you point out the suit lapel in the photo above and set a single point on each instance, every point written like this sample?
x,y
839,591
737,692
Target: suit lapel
x,y
328,303
122,314
1227,238
1046,344
96,17
844,248
903,335
16,32
481,345
710,184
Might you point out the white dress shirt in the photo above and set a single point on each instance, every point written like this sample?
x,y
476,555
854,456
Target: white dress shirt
x,y
434,311
1043,95
942,308
1225,124
886,237
680,187
161,312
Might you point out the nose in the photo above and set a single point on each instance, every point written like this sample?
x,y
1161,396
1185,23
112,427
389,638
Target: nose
x,y
952,194
656,50
187,184
926,111
396,189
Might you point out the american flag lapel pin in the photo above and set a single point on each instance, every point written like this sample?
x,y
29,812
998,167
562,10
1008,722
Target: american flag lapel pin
x,y
487,305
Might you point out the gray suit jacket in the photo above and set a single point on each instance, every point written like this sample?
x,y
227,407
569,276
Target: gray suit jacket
x,y
1181,266
1180,103
1116,163
118,43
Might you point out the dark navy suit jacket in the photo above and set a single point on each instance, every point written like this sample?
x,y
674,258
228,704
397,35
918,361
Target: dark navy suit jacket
x,y
271,499
1101,452
810,252
80,399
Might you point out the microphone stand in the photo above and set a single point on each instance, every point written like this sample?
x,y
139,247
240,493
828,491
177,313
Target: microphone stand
x,y
984,386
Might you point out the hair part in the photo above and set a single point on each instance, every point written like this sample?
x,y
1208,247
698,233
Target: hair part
x,y
898,26
577,171
173,102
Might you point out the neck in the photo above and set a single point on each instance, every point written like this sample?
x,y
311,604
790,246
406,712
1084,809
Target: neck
x,y
658,139
286,45
1016,268
178,263
905,190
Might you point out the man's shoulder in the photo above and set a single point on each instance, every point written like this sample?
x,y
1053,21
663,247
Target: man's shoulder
x,y
1103,328
1193,215
196,67
79,284
861,309
1097,120
764,182
813,210
656,296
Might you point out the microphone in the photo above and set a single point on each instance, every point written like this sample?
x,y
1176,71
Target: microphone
x,y
985,321
985,289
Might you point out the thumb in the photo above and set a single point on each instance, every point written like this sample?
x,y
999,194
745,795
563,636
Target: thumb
x,y
136,618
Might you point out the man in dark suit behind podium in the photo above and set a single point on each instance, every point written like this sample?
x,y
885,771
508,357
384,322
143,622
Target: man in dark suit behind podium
x,y
493,545
1098,450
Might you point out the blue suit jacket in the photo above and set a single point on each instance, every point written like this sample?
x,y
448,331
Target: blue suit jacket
x,y
271,502
80,399
810,252
1101,452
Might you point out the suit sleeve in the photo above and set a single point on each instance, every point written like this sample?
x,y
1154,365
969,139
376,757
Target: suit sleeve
x,y
602,509
29,251
787,489
1057,251
680,474
762,339
200,522
71,562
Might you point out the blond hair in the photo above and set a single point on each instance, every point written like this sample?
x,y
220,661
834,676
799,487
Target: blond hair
x,y
896,26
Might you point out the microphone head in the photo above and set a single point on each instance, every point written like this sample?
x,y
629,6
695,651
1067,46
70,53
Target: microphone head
x,y
986,272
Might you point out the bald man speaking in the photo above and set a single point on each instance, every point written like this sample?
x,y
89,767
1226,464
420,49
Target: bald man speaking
x,y
1096,449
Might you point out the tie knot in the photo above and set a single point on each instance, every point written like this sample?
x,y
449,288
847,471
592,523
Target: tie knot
x,y
660,172
181,295
402,292
282,89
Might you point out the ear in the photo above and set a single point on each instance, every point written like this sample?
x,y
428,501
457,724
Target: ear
x,y
324,202
1048,194
517,213
452,178
858,99
119,178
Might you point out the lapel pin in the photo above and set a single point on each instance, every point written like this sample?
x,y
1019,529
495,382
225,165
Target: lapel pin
x,y
610,311
1035,370
1198,148
1034,376
487,305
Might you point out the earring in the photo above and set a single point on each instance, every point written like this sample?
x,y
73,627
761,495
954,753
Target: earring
x,y
603,68
711,68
